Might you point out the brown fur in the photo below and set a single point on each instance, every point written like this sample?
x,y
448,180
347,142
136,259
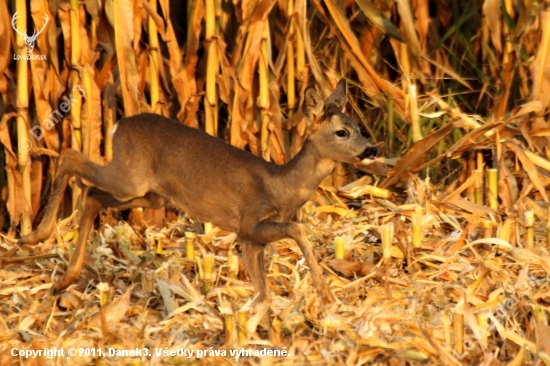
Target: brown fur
x,y
157,160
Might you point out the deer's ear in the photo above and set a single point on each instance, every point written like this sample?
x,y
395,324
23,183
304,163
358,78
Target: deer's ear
x,y
339,97
313,105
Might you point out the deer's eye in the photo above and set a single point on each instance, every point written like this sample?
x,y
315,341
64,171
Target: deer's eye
x,y
342,133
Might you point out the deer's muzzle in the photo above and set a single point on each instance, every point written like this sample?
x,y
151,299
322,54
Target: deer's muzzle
x,y
369,153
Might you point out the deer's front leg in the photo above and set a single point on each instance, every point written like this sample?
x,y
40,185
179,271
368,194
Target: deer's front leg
x,y
269,231
253,256
298,233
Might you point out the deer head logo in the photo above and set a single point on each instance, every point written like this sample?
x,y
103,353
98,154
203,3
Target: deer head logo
x,y
29,40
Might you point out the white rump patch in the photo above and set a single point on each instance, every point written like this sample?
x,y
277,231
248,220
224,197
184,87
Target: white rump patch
x,y
114,128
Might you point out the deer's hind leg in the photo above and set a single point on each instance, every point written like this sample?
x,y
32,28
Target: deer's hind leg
x,y
97,200
110,178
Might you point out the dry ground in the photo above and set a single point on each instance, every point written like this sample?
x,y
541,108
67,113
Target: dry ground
x,y
465,296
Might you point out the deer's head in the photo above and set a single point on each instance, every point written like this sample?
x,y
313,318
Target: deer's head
x,y
334,134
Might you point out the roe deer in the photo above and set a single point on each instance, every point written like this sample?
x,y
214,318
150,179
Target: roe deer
x,y
157,160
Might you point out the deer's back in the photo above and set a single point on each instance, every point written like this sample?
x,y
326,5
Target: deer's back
x,y
203,175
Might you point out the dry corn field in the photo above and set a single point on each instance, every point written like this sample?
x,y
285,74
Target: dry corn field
x,y
437,252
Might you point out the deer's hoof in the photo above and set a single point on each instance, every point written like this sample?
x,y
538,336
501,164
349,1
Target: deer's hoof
x,y
55,291
59,286
26,239
33,238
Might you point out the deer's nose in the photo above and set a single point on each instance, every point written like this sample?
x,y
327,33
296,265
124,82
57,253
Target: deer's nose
x,y
369,153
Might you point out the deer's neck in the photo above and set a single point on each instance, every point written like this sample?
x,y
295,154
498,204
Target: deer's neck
x,y
304,173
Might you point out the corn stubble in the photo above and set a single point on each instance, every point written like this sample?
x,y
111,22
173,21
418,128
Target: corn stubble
x,y
442,259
